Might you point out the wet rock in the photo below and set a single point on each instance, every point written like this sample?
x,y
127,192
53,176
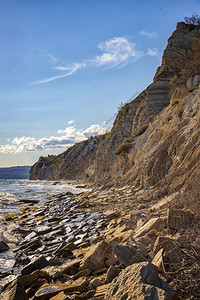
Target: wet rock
x,y
98,256
32,245
15,291
112,272
30,236
128,255
3,246
139,281
38,263
43,230
6,281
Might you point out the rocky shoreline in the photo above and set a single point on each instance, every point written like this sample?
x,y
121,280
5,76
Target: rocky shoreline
x,y
97,245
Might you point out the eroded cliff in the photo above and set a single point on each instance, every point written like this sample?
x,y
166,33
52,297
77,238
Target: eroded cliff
x,y
154,142
69,165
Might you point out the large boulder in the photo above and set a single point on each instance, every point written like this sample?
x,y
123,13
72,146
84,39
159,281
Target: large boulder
x,y
99,256
139,281
129,254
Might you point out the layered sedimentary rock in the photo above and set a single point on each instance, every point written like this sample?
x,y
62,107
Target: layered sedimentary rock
x,y
154,140
71,164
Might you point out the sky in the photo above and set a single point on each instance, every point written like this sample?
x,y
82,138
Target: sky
x,y
66,65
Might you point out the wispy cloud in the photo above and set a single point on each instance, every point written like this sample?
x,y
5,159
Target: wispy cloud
x,y
70,70
115,52
53,58
152,52
65,139
150,35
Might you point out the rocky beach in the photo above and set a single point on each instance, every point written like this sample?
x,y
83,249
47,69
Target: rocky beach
x,y
96,245
132,230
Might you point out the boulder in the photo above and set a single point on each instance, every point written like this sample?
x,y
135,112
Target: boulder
x,y
99,256
129,254
179,218
139,281
38,264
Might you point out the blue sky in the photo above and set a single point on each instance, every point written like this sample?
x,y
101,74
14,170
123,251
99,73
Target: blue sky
x,y
66,65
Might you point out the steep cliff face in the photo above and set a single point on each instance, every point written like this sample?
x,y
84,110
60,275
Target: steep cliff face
x,y
154,142
142,111
70,165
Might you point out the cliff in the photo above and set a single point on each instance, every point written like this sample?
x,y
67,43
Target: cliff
x,y
69,165
154,142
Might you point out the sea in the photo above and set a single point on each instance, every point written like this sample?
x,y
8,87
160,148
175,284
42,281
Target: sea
x,y
13,191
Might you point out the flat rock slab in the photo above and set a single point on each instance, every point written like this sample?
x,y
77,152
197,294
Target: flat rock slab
x,y
154,223
49,290
38,264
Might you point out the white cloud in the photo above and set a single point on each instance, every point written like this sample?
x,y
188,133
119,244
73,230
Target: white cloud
x,y
116,51
94,130
70,122
152,52
66,138
150,35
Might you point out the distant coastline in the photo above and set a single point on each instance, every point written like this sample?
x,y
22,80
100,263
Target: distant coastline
x,y
18,172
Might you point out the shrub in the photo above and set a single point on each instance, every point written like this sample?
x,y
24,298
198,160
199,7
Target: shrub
x,y
194,19
122,110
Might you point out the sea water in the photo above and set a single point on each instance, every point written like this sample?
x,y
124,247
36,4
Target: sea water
x,y
13,191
